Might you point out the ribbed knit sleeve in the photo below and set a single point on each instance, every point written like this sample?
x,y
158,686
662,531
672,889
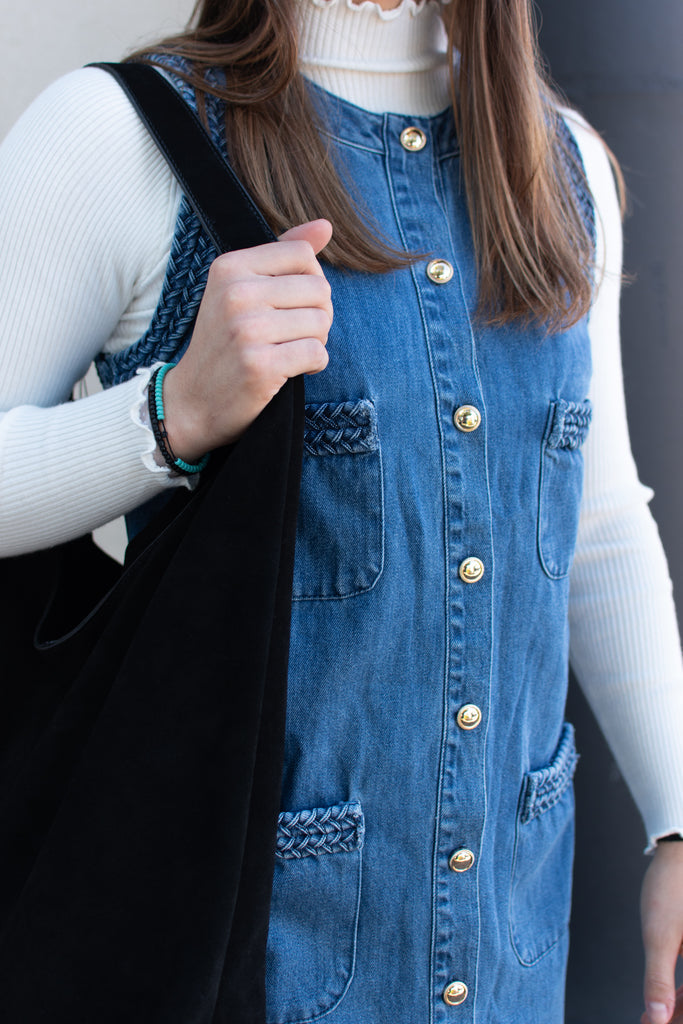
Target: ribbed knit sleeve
x,y
87,210
625,647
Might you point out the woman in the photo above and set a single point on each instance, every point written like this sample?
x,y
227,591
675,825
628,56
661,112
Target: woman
x,y
440,501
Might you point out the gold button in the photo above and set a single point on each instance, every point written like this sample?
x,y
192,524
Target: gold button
x,y
469,716
413,139
461,861
455,993
467,418
471,570
439,271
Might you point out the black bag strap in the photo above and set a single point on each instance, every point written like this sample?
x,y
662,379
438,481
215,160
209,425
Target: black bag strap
x,y
217,196
231,219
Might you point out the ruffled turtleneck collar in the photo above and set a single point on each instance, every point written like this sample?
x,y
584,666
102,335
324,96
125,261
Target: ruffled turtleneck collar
x,y
392,60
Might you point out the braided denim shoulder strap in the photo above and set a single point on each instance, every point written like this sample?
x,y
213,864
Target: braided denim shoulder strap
x,y
572,163
215,213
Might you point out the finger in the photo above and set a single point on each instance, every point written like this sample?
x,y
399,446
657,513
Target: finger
x,y
292,291
293,256
656,1015
678,1010
305,355
660,963
278,326
316,232
301,291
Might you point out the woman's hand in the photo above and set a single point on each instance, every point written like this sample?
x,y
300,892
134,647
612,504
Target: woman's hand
x,y
662,916
264,317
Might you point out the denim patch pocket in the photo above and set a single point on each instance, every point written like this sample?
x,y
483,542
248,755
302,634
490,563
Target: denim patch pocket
x,y
561,484
340,529
540,894
314,913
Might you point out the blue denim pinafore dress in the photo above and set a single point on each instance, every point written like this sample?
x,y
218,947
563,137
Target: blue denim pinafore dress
x,y
425,844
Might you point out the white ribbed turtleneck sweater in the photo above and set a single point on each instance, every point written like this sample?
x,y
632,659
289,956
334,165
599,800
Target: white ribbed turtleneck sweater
x,y
87,212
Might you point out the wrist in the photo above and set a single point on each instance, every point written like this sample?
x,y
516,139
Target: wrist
x,y
668,851
157,414
184,426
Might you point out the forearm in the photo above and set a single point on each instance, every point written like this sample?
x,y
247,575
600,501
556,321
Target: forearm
x,y
67,469
626,654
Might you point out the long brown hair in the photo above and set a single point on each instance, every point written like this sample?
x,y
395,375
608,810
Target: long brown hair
x,y
533,250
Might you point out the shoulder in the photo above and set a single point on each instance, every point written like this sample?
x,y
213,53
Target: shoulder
x,y
79,173
88,99
82,106
83,126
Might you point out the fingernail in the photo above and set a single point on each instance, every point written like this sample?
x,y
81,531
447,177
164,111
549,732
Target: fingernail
x,y
658,1013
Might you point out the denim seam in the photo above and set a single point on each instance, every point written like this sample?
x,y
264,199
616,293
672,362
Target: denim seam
x,y
440,190
553,574
548,949
487,726
353,145
447,595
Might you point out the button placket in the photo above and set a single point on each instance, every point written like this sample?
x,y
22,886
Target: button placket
x,y
460,874
449,340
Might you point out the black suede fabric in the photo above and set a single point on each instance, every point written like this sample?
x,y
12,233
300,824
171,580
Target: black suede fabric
x,y
137,825
141,754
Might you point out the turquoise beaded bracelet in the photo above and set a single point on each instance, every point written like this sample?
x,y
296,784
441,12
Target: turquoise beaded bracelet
x,y
155,399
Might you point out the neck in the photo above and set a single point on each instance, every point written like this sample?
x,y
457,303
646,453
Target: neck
x,y
389,58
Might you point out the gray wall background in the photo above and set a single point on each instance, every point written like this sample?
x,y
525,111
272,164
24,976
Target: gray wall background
x,y
43,39
620,62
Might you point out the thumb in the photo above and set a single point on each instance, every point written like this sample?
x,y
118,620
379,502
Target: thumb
x,y
316,232
660,992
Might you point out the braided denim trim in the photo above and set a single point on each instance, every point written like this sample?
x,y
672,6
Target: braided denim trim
x,y
192,254
545,787
576,174
338,829
341,428
569,424
168,334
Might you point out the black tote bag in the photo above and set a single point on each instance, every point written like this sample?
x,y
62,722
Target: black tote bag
x,y
141,732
